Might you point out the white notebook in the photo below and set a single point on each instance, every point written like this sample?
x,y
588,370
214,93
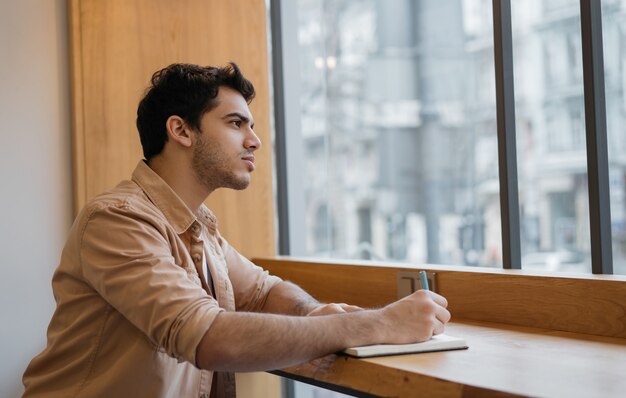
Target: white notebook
x,y
440,342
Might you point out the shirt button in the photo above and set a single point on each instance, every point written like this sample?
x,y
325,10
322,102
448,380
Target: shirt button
x,y
195,228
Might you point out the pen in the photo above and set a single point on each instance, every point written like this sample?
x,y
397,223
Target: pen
x,y
424,280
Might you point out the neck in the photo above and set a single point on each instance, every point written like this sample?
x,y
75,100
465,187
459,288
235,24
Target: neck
x,y
182,180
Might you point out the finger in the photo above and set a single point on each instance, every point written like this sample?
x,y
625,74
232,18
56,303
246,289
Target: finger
x,y
442,315
331,309
438,328
350,308
315,312
326,309
439,299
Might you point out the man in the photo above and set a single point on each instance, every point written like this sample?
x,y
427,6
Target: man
x,y
151,299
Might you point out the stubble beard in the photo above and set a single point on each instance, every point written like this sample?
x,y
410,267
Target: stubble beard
x,y
210,165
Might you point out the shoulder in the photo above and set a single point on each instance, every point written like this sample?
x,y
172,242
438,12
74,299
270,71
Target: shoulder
x,y
126,202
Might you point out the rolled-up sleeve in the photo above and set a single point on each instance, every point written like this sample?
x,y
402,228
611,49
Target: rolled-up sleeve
x,y
127,258
251,283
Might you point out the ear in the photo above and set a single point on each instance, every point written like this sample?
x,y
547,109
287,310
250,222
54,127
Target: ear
x,y
178,131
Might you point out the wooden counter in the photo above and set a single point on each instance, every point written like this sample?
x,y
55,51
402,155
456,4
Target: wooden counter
x,y
502,361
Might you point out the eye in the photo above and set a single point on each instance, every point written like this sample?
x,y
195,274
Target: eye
x,y
236,123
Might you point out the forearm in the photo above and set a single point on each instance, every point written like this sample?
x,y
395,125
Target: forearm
x,y
249,341
289,299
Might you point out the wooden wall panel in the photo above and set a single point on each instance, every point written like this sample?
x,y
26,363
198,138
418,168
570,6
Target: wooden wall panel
x,y
590,304
116,45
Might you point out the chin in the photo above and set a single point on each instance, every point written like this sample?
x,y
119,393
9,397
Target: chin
x,y
239,183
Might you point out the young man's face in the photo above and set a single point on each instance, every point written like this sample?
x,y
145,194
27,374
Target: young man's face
x,y
223,154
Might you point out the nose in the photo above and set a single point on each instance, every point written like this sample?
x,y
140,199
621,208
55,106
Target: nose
x,y
252,142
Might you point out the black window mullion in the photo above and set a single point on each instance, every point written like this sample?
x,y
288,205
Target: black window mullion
x,y
288,147
596,135
279,125
505,113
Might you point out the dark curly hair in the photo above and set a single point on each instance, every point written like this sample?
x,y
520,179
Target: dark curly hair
x,y
185,90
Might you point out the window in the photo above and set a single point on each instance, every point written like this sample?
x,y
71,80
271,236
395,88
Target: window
x,y
549,112
614,39
397,131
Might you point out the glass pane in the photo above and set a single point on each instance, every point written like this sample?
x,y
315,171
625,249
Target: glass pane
x,y
550,126
399,131
614,39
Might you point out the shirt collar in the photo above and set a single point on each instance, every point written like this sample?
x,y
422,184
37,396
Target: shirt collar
x,y
162,195
207,218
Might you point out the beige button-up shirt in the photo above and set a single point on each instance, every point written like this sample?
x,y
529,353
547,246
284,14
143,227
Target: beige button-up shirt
x,y
132,300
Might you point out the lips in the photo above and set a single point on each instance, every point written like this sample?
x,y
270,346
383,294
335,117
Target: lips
x,y
250,160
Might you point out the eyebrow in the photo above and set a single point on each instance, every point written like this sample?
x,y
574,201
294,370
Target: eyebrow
x,y
240,116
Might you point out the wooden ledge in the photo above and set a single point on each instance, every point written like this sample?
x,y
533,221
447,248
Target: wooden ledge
x,y
589,304
502,361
